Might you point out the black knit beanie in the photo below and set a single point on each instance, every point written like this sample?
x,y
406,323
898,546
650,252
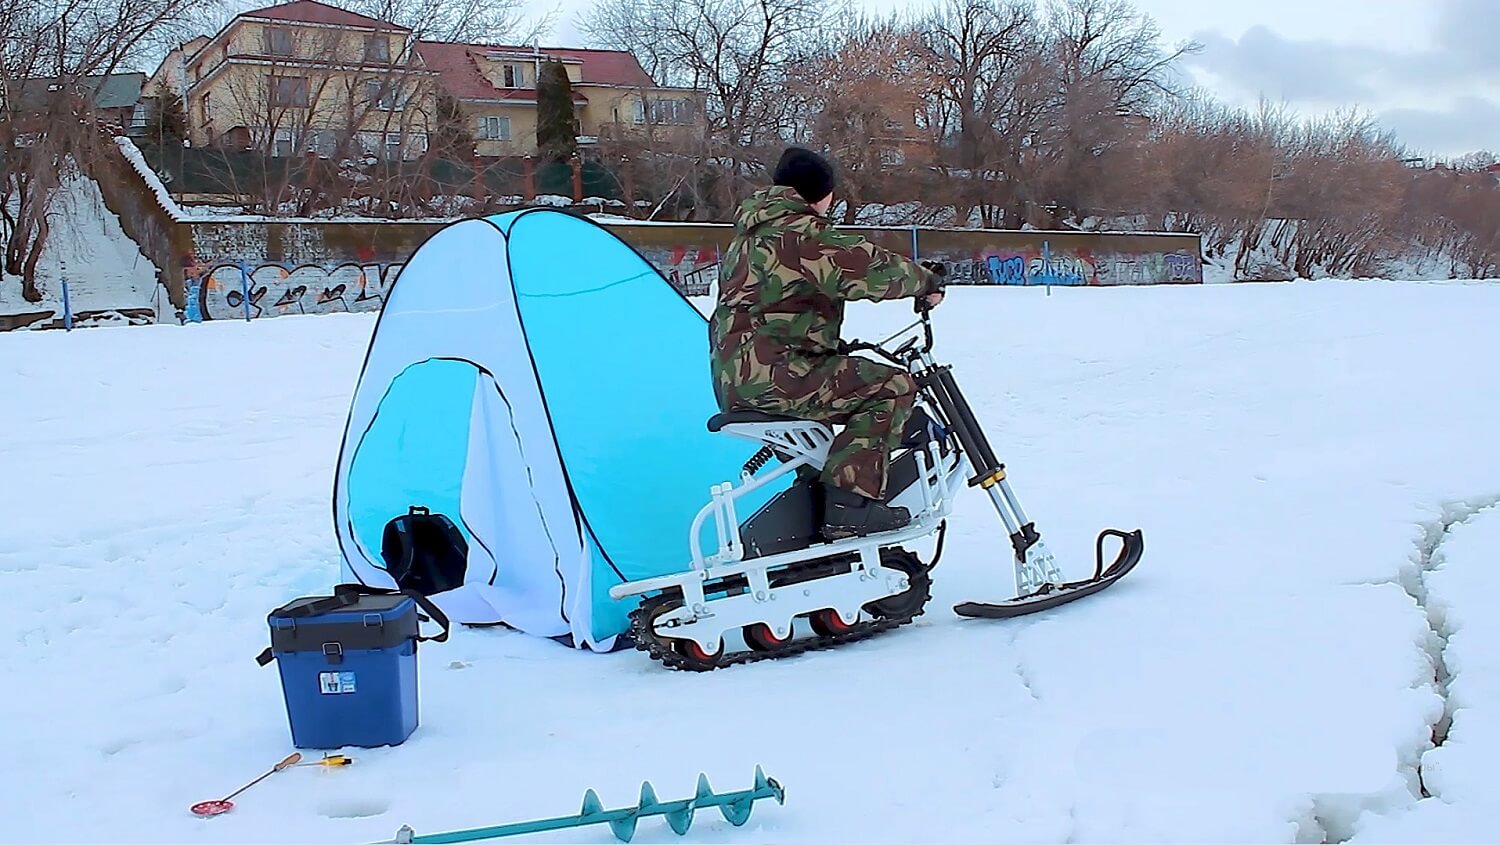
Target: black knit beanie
x,y
806,172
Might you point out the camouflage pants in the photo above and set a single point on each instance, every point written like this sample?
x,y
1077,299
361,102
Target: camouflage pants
x,y
871,400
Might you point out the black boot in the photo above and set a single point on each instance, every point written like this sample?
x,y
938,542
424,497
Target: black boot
x,y
847,514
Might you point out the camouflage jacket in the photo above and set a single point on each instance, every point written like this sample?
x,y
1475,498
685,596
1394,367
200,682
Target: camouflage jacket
x,y
783,283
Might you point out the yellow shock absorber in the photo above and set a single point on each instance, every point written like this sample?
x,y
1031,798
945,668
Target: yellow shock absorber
x,y
994,478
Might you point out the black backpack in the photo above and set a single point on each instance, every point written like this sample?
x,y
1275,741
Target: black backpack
x,y
424,552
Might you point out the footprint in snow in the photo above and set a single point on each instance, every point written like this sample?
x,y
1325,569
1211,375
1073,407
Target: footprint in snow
x,y
116,746
354,808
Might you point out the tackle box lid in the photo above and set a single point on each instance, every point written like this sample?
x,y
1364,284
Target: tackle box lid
x,y
366,622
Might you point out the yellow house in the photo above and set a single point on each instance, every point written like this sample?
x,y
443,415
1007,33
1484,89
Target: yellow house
x,y
304,77
170,75
495,87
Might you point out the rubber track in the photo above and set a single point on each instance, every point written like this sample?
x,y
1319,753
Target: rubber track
x,y
661,650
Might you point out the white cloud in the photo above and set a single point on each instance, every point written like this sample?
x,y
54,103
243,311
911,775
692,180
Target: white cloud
x,y
1441,97
1430,70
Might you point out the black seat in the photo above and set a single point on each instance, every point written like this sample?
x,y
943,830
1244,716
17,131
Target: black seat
x,y
718,421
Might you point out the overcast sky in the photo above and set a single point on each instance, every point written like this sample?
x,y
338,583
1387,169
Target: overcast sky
x,y
1428,69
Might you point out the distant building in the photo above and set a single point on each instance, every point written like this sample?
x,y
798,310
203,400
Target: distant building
x,y
114,98
170,77
305,77
495,87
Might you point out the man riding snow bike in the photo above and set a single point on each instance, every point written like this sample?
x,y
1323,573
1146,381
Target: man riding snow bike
x,y
783,283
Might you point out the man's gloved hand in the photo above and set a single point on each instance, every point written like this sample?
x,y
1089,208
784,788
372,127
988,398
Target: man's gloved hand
x,y
934,295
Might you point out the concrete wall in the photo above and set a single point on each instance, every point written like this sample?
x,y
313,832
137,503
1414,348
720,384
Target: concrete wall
x,y
688,254
155,228
304,268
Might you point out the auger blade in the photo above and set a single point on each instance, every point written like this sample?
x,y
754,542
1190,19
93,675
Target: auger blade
x,y
592,806
735,806
736,811
768,787
679,820
624,828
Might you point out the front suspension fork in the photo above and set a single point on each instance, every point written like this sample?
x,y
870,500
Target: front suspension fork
x,y
1034,565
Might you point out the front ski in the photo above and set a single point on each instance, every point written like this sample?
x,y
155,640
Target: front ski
x,y
1054,595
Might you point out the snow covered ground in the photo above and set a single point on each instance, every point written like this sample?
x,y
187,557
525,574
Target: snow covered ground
x,y
1458,575
1292,452
104,268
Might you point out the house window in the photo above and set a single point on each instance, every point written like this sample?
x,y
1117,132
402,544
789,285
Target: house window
x,y
382,94
282,146
320,142
377,48
393,145
664,111
208,111
288,91
515,76
492,128
278,41
892,157
892,125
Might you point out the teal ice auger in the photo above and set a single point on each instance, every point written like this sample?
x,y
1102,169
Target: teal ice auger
x,y
735,806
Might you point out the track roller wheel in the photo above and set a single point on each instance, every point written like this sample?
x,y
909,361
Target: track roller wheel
x,y
828,623
760,637
695,656
910,602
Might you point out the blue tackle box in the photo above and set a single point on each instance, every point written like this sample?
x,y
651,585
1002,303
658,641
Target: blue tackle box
x,y
348,665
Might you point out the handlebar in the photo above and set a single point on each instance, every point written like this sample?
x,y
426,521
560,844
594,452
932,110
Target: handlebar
x,y
904,352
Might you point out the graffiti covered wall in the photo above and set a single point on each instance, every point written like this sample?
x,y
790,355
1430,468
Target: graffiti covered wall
x,y
275,268
972,257
234,268
272,269
1043,266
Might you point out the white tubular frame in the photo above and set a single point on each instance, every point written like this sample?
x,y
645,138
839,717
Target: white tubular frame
x,y
807,444
867,580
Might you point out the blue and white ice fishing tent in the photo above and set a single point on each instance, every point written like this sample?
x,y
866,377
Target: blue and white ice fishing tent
x,y
536,380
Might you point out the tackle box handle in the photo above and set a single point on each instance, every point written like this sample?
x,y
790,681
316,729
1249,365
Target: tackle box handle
x,y
347,594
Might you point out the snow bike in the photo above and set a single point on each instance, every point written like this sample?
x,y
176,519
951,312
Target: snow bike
x,y
776,569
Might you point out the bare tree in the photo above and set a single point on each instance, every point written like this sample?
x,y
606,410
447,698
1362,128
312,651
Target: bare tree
x,y
358,134
986,56
864,98
479,21
1109,76
740,53
52,56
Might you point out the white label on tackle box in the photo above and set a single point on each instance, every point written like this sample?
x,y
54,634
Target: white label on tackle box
x,y
336,683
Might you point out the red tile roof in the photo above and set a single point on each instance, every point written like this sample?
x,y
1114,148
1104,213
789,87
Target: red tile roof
x,y
311,11
458,67
457,72
600,67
